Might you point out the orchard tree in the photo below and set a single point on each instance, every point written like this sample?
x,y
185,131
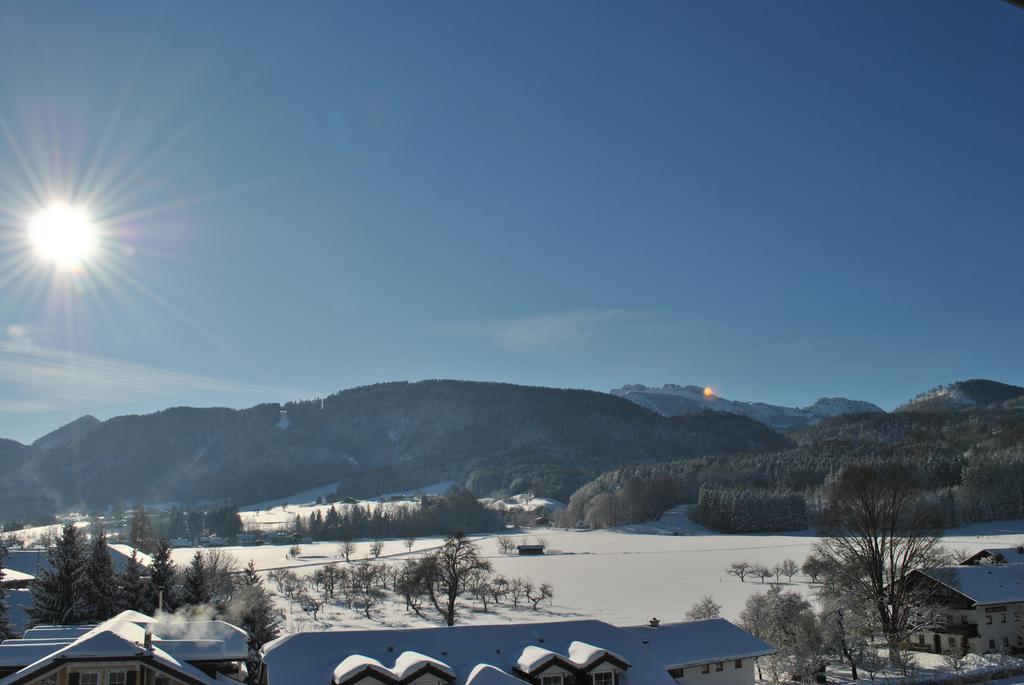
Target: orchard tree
x,y
704,608
740,569
448,572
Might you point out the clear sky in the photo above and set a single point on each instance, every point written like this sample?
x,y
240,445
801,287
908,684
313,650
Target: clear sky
x,y
783,200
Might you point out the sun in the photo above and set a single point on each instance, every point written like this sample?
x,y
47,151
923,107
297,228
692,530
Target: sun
x,y
709,391
63,235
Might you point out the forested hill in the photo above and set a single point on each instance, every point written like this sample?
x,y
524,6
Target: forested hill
x,y
373,439
971,460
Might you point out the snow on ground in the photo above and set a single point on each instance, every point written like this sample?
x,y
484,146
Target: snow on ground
x,y
623,576
523,502
304,497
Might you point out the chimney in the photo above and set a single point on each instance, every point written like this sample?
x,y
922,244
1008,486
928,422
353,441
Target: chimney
x,y
148,643
654,623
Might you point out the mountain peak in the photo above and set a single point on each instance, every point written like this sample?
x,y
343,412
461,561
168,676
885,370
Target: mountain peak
x,y
672,399
68,433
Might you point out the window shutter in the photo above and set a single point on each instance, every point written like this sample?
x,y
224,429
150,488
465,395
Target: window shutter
x,y
73,679
131,678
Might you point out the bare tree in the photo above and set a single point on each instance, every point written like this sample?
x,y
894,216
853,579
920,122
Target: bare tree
x,y
538,595
448,571
517,590
409,542
376,548
813,567
788,568
761,572
311,605
346,549
705,607
506,545
740,569
878,533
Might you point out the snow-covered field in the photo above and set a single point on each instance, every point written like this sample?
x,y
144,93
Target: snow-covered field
x,y
621,576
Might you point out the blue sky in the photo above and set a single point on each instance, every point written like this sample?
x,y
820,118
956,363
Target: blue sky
x,y
782,200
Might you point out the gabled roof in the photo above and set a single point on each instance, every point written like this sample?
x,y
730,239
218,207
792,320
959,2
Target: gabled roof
x,y
985,584
997,555
678,645
303,658
123,637
111,640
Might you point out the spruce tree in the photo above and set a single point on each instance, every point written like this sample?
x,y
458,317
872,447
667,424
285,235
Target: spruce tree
x,y
133,588
259,617
100,586
6,630
162,578
58,594
194,588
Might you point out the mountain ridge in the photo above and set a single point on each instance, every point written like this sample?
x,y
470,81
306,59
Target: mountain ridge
x,y
675,400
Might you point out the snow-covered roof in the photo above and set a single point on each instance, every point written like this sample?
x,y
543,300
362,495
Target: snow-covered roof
x,y
584,656
355,665
10,575
678,645
985,584
303,658
534,658
175,644
409,662
486,674
998,555
113,639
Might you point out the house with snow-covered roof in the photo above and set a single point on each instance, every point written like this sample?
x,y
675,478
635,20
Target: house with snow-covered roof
x,y
707,652
980,609
996,555
563,653
129,649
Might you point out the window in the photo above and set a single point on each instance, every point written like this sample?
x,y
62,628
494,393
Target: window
x,y
738,663
1002,618
1006,642
604,678
677,672
90,678
963,618
952,641
706,668
991,644
920,638
551,680
117,678
720,666
988,619
162,680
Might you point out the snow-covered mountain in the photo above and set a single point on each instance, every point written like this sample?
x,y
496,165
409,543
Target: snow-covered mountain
x,y
977,392
674,400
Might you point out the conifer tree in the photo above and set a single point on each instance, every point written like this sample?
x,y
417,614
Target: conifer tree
x,y
163,576
100,584
58,594
6,630
194,588
133,587
259,618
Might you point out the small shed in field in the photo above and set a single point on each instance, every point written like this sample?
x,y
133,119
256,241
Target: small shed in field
x,y
530,550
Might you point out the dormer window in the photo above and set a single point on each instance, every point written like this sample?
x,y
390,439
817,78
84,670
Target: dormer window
x,y
604,678
552,680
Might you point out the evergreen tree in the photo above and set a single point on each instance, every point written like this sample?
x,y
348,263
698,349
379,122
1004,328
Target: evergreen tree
x,y
259,617
162,578
133,591
141,530
100,586
5,626
194,588
58,594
